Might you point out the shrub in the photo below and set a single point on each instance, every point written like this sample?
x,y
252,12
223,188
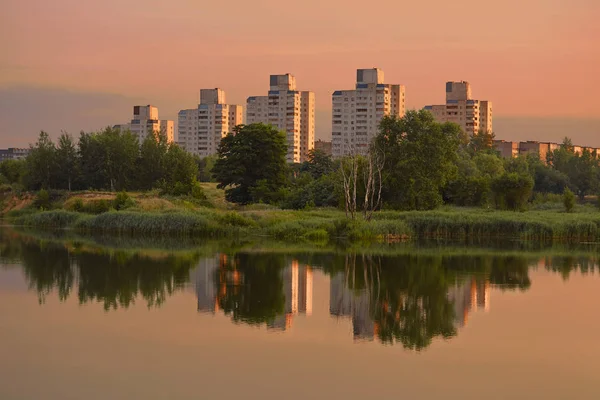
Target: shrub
x,y
568,200
42,200
511,191
123,201
198,192
77,205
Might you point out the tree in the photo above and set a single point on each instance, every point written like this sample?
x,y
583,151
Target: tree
x,y
67,161
481,141
511,191
41,163
251,164
568,200
420,156
151,164
318,163
13,170
180,171
121,150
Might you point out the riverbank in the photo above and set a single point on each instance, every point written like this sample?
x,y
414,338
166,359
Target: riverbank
x,y
324,225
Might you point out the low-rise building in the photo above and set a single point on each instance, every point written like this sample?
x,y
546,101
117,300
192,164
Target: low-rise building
x,y
323,146
507,149
13,153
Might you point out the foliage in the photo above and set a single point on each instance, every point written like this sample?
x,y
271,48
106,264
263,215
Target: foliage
x,y
42,200
568,200
251,164
420,158
122,201
512,191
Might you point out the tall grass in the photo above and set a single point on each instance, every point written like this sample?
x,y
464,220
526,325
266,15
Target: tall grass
x,y
326,225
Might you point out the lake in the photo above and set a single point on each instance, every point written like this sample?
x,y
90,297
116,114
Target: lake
x,y
118,318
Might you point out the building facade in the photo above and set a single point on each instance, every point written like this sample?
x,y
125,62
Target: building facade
x,y
200,130
506,149
145,122
13,153
289,110
472,115
357,112
323,146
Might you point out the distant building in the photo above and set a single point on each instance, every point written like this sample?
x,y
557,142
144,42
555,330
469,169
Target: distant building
x,y
145,122
507,149
13,153
357,112
541,148
472,115
289,110
323,146
200,130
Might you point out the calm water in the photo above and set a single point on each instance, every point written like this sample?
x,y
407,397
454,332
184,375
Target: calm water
x,y
111,319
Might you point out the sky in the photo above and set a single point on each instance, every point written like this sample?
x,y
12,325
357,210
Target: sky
x,y
81,65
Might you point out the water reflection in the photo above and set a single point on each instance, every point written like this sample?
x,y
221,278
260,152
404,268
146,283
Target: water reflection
x,y
407,299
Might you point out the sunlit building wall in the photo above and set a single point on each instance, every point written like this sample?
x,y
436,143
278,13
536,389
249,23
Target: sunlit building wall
x,y
357,112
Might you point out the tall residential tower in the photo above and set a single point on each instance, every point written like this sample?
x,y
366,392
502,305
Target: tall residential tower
x,y
145,121
472,115
357,112
201,129
289,110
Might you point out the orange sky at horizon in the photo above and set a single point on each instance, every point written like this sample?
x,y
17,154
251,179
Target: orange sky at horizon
x,y
529,57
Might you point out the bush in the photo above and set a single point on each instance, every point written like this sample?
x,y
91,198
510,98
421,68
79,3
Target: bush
x,y
511,191
77,205
568,200
42,200
123,201
198,192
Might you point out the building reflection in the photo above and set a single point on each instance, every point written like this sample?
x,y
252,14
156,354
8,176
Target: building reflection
x,y
385,304
217,278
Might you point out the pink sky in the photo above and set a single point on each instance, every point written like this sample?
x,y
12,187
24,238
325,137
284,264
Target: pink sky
x,y
532,58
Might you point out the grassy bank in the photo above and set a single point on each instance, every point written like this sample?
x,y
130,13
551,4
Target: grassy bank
x,y
325,225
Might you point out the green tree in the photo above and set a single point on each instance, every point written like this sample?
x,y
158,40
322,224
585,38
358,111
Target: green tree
x,y
568,200
41,163
121,150
13,170
512,191
251,164
67,162
151,164
318,163
482,141
420,158
180,173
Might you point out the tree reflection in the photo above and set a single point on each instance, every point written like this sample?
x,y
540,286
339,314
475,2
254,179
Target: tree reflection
x,y
250,287
113,278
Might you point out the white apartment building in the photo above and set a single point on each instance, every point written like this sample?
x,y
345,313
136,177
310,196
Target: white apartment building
x,y
201,129
472,115
145,121
357,112
289,110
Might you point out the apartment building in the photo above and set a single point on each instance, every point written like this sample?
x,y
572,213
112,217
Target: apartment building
x,y
145,121
13,153
289,110
200,130
472,115
357,112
